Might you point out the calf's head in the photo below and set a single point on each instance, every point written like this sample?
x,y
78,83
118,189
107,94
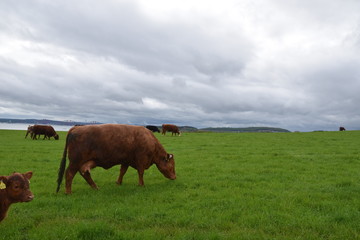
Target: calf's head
x,y
167,166
17,187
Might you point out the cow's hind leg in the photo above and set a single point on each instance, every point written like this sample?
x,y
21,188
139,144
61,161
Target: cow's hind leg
x,y
85,172
123,170
69,176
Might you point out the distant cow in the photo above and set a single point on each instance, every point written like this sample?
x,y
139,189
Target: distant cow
x,y
30,130
106,145
170,128
153,128
342,129
13,189
47,131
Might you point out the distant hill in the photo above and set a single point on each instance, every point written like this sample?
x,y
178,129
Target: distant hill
x,y
44,121
188,129
248,129
222,129
182,128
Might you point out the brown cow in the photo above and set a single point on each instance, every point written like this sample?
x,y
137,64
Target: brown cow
x,y
30,130
170,128
342,129
106,145
47,131
14,188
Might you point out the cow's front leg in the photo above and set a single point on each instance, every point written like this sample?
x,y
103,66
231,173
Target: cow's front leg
x,y
141,177
123,170
85,173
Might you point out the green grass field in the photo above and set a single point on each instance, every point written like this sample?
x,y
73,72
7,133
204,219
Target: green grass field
x,y
228,186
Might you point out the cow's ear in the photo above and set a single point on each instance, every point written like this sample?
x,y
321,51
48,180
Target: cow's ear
x,y
170,156
28,175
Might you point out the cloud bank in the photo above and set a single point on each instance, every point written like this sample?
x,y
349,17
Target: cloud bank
x,y
289,64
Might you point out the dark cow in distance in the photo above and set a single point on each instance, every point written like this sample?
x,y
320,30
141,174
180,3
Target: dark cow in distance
x,y
46,130
170,128
153,128
13,189
106,145
30,130
342,129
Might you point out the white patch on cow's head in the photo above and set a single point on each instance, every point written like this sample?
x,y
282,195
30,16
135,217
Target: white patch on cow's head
x,y
169,157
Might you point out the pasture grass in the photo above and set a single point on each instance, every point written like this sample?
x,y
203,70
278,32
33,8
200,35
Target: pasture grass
x,y
228,186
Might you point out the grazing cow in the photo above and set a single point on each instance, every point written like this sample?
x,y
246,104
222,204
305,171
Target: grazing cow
x,y
30,130
106,145
153,128
342,129
170,128
47,131
14,188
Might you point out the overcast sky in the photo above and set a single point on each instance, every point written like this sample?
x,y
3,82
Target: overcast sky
x,y
292,64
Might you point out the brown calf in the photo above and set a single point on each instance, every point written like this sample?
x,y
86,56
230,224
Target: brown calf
x,y
14,188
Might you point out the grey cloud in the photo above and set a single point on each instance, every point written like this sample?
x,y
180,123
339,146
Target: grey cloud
x,y
119,30
290,64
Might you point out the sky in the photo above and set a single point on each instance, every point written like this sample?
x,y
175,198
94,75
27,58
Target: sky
x,y
291,64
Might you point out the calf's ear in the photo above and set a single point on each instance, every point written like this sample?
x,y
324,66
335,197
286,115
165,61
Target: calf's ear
x,y
3,178
3,181
28,175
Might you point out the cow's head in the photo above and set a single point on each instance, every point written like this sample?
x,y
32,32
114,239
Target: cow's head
x,y
29,130
56,137
167,166
17,187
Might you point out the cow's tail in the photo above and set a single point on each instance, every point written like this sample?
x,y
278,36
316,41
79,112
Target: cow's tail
x,y
62,165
